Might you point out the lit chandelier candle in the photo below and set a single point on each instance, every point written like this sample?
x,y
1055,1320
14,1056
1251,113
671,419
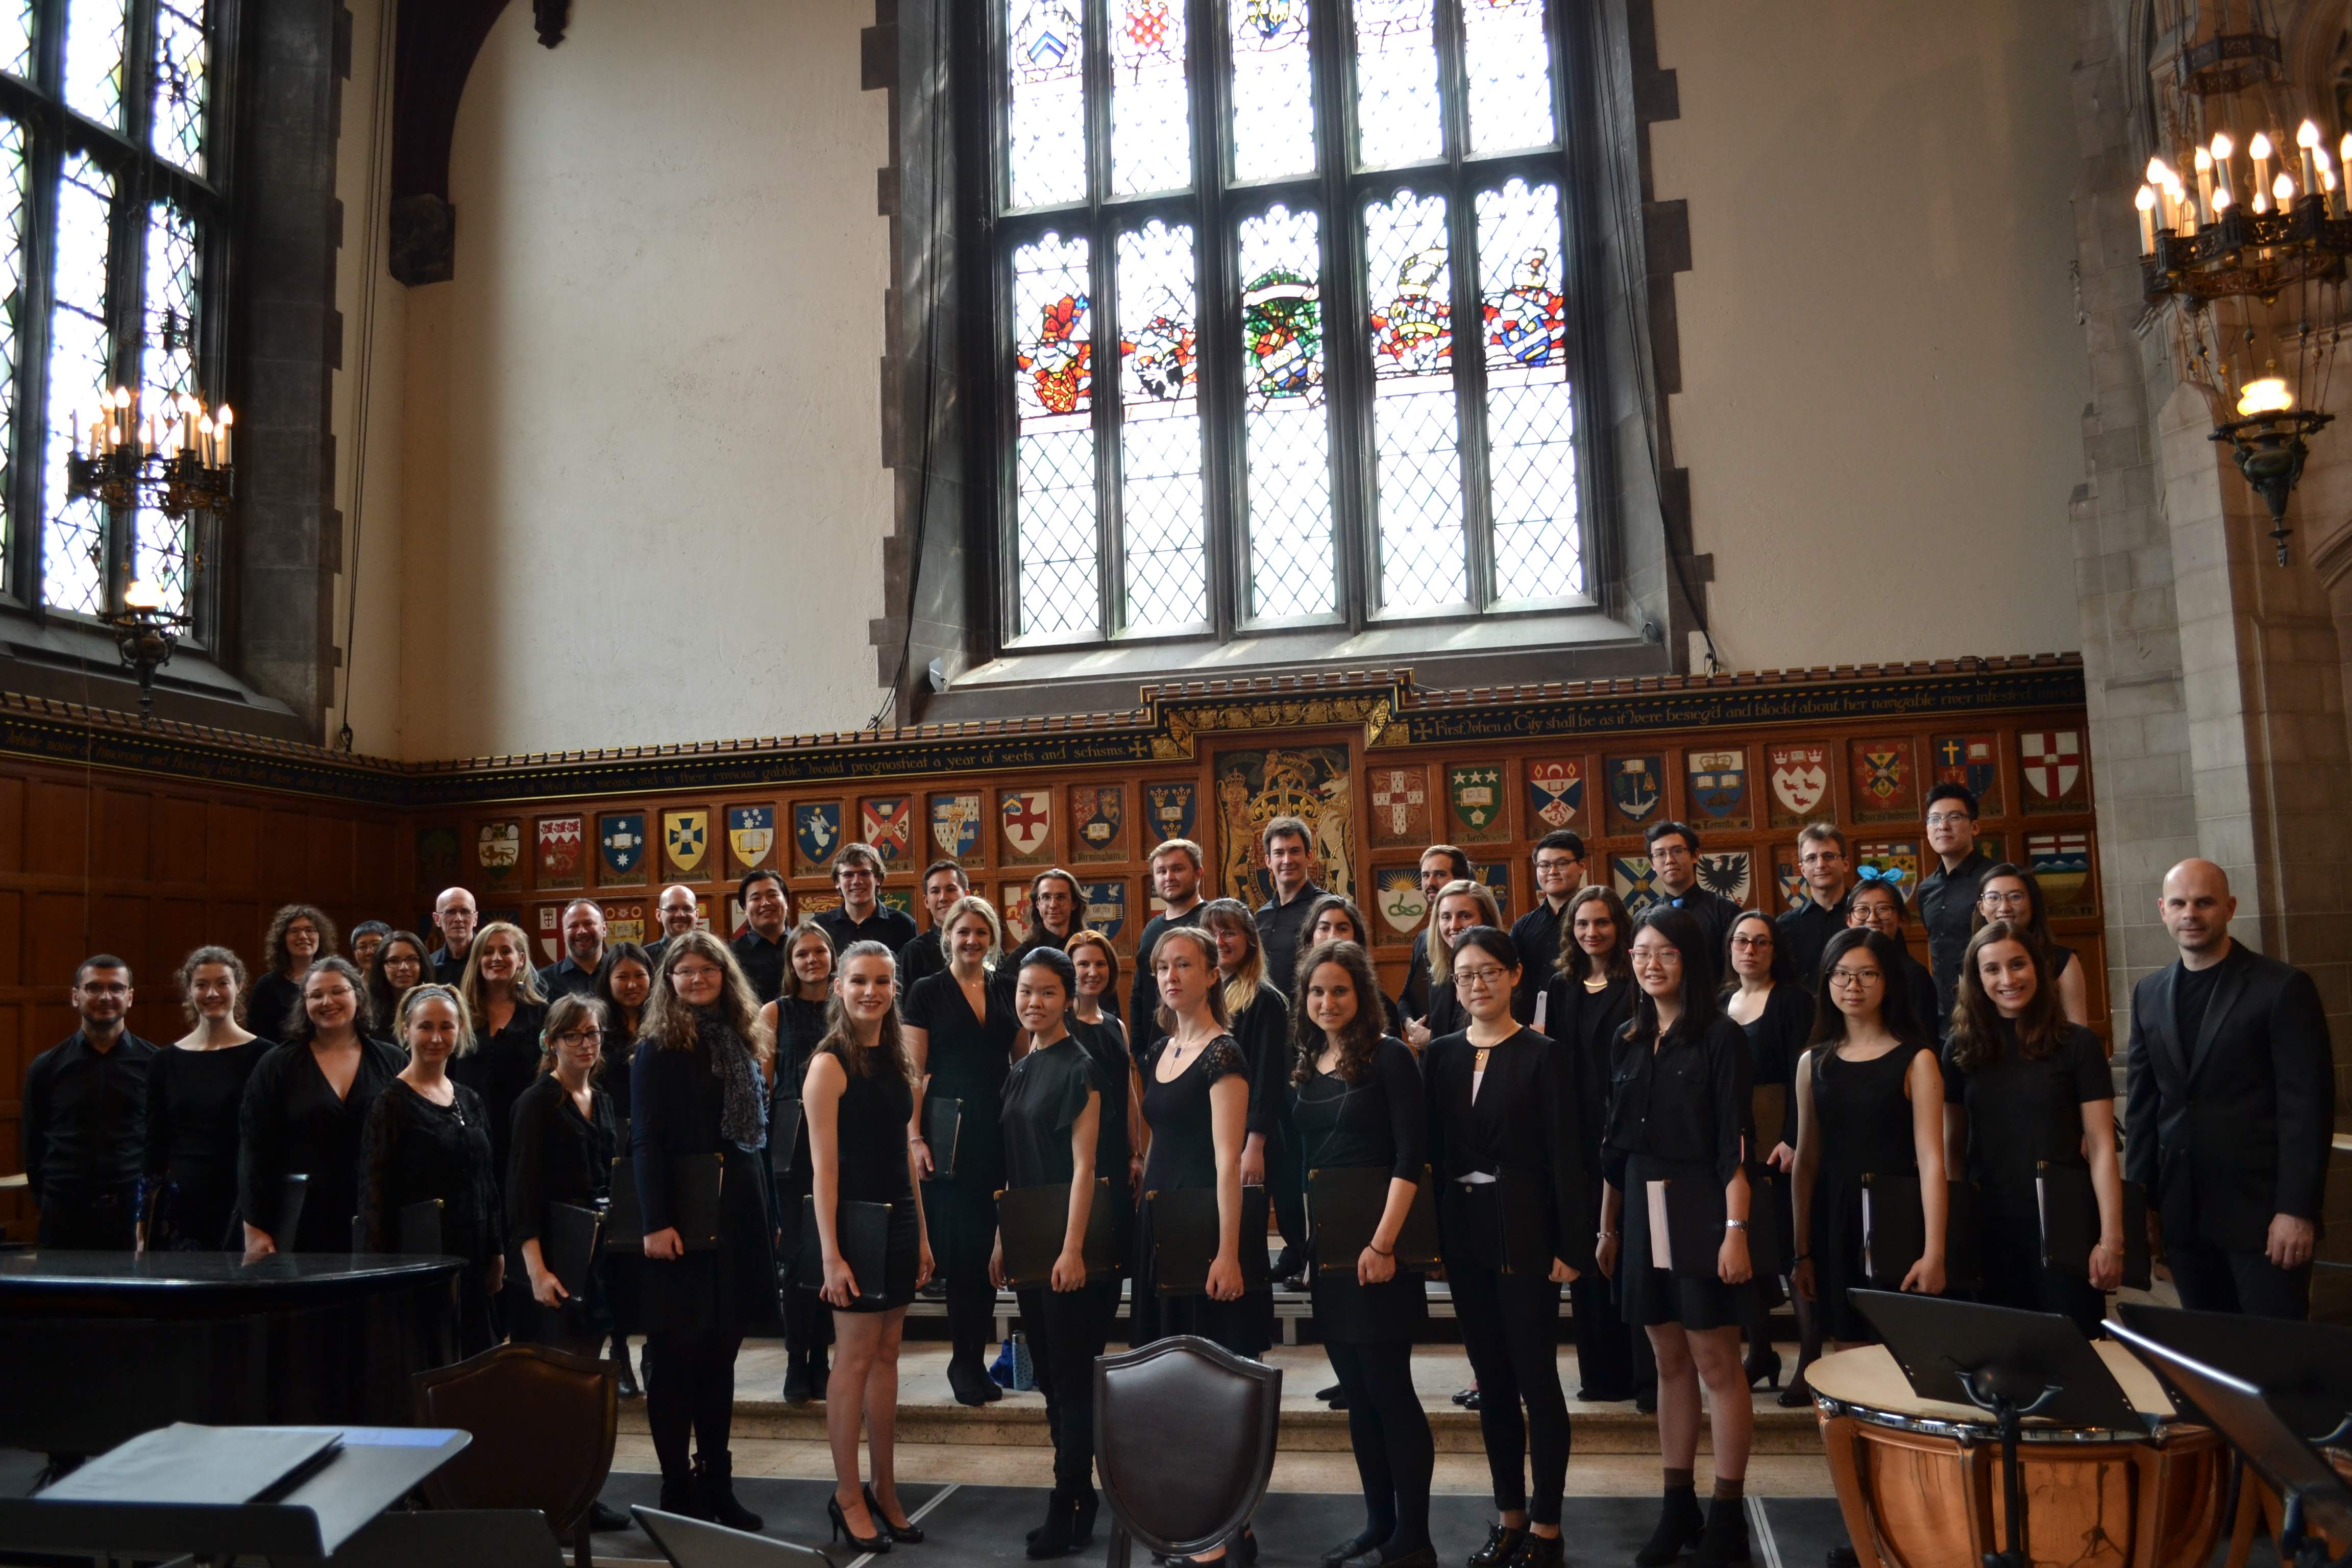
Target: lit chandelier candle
x,y
2145,202
2205,212
2222,193
2259,149
2306,143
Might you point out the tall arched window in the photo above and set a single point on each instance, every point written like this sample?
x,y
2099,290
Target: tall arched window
x,y
1284,307
112,223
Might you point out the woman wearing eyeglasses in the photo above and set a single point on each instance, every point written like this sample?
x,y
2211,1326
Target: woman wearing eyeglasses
x,y
1877,905
1515,1223
1763,998
2013,894
563,1141
1460,906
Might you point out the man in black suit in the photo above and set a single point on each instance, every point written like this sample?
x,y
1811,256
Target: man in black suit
x,y
2229,1110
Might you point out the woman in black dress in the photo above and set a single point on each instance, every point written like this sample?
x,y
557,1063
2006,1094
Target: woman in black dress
x,y
1358,1101
563,1141
797,1020
509,1013
1196,1100
860,1100
1335,918
2022,1087
1678,1110
1876,904
194,1091
1460,905
625,981
1116,1160
1761,996
1517,1222
1259,1007
304,1108
960,1027
699,1088
1870,1102
1053,1118
400,960
2012,893
298,935
1588,1000
428,1141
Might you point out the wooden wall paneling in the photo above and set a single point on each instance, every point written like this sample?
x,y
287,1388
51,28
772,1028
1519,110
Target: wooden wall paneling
x,y
232,845
12,824
56,827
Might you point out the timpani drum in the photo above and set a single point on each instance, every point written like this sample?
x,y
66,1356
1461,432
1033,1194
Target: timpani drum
x,y
1921,1484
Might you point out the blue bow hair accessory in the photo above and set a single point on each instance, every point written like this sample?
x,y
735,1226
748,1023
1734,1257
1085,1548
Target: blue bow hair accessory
x,y
1890,875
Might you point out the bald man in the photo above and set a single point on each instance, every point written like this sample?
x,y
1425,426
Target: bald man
x,y
2231,1094
454,915
679,912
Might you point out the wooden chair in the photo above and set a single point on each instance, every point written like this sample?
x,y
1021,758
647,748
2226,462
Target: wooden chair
x,y
544,1423
1184,1436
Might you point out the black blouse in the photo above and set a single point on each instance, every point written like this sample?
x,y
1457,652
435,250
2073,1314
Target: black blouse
x,y
1181,1118
291,1122
1685,1102
1381,1121
1447,1014
1520,1123
415,1149
1777,1038
620,1046
1262,1035
2022,1113
193,1099
499,1067
966,1058
556,1155
1106,1042
1044,1095
269,1006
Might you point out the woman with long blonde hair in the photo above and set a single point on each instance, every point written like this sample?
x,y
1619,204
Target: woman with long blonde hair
x,y
508,1012
1259,1006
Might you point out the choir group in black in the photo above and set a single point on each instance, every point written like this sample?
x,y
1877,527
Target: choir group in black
x,y
1563,1087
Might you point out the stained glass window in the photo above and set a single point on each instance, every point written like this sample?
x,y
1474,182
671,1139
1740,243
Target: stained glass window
x,y
1151,110
1059,556
1162,503
182,60
167,371
80,363
95,32
1530,406
15,188
1393,166
1396,83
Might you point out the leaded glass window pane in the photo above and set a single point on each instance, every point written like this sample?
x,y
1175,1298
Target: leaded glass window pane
x,y
1150,107
1286,430
15,190
167,371
1273,89
94,43
16,38
182,64
1530,407
1162,504
1416,440
1046,136
1396,83
1059,558
80,347
1508,60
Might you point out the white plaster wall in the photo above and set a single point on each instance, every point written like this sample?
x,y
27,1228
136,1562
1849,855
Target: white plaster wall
x,y
1882,375
644,499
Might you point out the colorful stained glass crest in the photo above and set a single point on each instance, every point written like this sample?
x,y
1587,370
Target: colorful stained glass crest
x,y
1045,133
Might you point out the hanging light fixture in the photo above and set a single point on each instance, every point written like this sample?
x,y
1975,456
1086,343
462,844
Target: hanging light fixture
x,y
2269,439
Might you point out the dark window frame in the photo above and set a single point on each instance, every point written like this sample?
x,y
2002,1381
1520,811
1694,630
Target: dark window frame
x,y
1213,207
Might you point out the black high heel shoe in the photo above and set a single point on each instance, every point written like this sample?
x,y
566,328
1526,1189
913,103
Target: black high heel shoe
x,y
907,1534
840,1528
1764,1369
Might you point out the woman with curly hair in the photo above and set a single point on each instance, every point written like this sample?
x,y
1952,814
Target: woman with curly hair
x,y
699,1086
298,936
304,1109
1334,917
194,1091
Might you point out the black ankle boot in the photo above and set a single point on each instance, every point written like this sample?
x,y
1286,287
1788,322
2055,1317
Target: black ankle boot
x,y
1679,1525
629,1389
683,1494
1057,1537
1502,1545
1542,1552
1726,1537
715,1473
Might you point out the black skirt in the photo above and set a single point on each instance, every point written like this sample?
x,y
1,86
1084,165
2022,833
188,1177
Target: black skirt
x,y
1655,1297
732,1288
1244,1327
901,1263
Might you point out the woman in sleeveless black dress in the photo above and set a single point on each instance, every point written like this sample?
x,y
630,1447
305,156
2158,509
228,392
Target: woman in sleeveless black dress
x,y
859,1097
2012,893
1095,1027
1870,1103
797,1016
193,1089
960,1027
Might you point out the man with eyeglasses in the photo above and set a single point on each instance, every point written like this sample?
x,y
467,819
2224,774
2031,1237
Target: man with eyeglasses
x,y
85,1120
1674,858
574,974
678,912
1947,894
454,915
862,916
1805,930
1560,872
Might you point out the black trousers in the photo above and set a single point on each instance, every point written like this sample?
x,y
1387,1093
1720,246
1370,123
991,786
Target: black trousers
x,y
971,1317
1390,1432
103,1222
1064,1329
1510,1327
2213,1280
689,1386
1607,1349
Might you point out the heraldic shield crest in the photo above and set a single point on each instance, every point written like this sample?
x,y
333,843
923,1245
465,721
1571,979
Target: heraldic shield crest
x,y
1556,793
1636,786
1172,806
816,829
955,824
1096,812
750,833
686,837
624,841
1800,778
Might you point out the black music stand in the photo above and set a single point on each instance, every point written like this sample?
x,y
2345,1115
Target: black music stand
x,y
2305,1370
375,1466
2006,1362
2312,1491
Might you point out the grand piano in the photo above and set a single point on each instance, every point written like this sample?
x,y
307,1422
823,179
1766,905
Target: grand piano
x,y
100,1346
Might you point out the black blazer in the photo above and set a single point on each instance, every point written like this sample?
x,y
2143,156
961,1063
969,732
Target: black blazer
x,y
2232,1127
676,1101
1524,1125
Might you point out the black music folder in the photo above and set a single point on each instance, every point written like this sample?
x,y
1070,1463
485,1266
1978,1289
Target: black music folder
x,y
1768,1107
694,1183
1686,1227
1031,1222
291,1189
862,1231
419,1232
567,1244
1894,1231
1344,1206
1184,1233
185,1463
783,1136
2069,1207
942,1127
